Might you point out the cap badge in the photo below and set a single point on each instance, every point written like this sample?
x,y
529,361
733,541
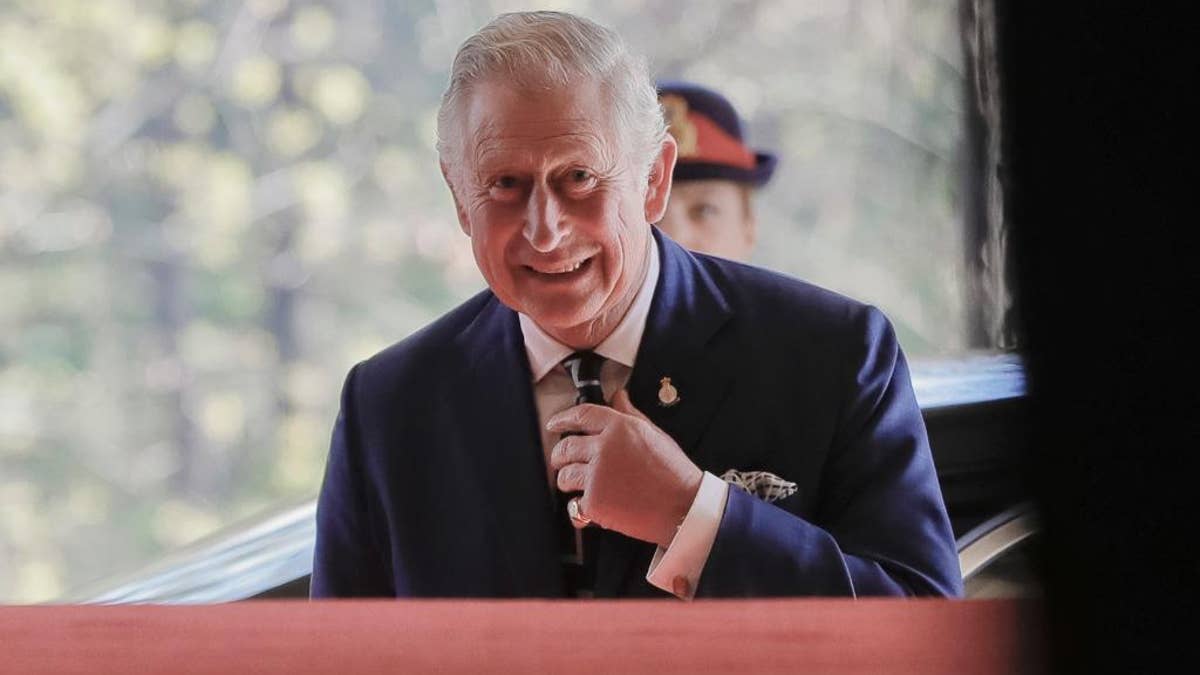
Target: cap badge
x,y
676,109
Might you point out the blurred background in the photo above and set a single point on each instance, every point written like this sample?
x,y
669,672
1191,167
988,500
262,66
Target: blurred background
x,y
210,209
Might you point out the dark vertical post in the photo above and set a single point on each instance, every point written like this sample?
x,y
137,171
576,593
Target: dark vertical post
x,y
988,297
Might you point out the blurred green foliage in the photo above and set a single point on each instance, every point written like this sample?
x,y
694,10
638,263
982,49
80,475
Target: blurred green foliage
x,y
209,209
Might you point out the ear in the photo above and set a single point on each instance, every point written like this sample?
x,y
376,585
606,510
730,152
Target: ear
x,y
463,222
659,189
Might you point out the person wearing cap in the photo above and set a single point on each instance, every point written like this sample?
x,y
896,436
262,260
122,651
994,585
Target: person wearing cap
x,y
711,208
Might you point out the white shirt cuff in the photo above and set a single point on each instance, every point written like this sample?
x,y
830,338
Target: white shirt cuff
x,y
677,568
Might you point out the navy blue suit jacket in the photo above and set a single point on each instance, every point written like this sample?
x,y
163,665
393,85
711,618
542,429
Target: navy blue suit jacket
x,y
436,484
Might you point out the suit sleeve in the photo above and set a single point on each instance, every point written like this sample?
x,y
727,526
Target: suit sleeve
x,y
880,526
347,560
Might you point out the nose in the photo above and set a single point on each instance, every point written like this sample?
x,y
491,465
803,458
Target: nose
x,y
544,228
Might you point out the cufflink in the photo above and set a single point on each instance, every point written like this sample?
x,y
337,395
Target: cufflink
x,y
681,587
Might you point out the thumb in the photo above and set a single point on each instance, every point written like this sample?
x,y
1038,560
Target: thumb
x,y
621,403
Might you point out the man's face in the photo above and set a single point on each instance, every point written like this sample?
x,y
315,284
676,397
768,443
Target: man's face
x,y
711,216
557,210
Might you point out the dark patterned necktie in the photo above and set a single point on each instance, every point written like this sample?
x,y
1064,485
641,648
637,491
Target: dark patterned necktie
x,y
578,568
584,369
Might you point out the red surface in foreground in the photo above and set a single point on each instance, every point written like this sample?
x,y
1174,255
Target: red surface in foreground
x,y
662,637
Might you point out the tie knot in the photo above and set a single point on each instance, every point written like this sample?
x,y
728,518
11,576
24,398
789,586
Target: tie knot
x,y
584,369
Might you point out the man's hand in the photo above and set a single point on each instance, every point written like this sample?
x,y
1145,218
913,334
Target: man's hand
x,y
635,478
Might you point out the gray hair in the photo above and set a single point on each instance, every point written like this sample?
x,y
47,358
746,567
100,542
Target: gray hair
x,y
556,50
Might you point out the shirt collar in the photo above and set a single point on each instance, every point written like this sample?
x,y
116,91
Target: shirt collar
x,y
621,345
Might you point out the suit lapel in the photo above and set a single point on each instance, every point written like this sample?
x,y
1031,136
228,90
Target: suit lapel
x,y
687,312
686,315
504,446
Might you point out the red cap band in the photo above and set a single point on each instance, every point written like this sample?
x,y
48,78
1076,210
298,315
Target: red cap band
x,y
714,146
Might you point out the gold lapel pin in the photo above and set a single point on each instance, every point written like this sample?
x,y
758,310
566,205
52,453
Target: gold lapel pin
x,y
668,395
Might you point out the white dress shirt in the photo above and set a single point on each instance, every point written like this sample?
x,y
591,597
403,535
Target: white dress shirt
x,y
677,568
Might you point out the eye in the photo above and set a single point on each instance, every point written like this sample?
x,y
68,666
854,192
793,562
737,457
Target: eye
x,y
579,180
705,210
505,188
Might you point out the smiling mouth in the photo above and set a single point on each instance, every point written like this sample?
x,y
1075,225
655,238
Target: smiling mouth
x,y
560,270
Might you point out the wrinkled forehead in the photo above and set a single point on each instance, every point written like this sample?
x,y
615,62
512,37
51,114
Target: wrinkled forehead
x,y
509,120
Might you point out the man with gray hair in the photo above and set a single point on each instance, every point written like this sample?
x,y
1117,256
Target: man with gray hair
x,y
615,416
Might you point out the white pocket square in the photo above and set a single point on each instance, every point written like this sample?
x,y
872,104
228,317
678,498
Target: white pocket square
x,y
762,484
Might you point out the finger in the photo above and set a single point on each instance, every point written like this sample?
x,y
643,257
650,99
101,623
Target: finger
x,y
570,449
621,403
572,477
586,418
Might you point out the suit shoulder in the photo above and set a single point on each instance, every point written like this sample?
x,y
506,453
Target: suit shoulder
x,y
781,299
431,347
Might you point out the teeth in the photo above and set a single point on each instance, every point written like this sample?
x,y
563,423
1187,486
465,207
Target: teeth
x,y
566,270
